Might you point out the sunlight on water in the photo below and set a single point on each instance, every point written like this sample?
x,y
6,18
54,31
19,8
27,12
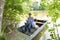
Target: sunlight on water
x,y
47,34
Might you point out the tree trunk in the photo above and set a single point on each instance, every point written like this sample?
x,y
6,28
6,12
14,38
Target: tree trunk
x,y
1,12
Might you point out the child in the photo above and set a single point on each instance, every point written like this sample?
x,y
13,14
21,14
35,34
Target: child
x,y
30,23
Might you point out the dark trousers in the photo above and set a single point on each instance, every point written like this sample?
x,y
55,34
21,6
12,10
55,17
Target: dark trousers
x,y
28,27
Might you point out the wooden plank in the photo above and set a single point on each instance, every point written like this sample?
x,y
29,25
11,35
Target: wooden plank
x,y
37,37
39,22
16,35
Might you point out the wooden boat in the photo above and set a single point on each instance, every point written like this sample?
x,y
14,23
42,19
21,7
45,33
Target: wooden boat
x,y
34,35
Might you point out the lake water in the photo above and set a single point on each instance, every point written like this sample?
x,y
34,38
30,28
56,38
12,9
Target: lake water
x,y
47,34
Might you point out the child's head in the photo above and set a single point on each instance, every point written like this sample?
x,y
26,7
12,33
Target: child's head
x,y
30,14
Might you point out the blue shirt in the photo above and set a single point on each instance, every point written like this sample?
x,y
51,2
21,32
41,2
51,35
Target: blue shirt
x,y
30,20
